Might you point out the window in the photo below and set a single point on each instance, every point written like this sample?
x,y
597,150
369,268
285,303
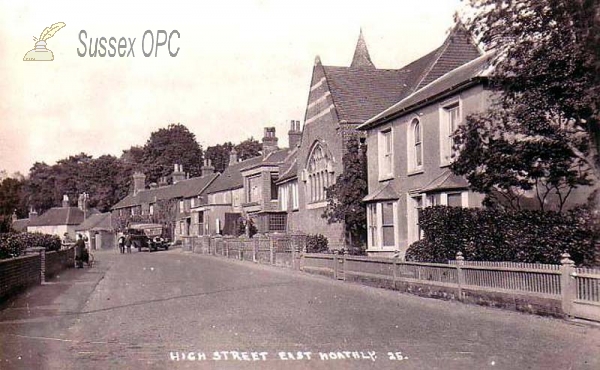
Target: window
x,y
414,206
295,202
382,225
253,194
415,146
277,222
386,154
283,197
387,224
449,121
454,200
151,209
372,224
273,188
320,176
181,206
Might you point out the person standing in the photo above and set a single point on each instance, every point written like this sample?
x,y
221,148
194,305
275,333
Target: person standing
x,y
128,243
122,244
79,251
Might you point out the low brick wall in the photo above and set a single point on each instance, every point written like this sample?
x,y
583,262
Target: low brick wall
x,y
58,261
18,274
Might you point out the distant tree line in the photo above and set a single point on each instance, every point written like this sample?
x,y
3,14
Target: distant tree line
x,y
107,179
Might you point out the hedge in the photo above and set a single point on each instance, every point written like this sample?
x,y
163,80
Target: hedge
x,y
317,243
14,244
498,235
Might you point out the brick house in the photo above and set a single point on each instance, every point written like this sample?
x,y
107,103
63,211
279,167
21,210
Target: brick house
x,y
339,100
169,205
409,148
60,220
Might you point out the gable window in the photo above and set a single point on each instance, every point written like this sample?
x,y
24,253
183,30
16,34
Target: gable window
x,y
415,146
382,224
386,155
450,118
253,194
320,173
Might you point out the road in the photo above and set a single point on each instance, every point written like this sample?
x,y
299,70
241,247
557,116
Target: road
x,y
175,310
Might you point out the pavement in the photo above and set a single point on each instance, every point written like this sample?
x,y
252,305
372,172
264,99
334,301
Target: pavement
x,y
170,309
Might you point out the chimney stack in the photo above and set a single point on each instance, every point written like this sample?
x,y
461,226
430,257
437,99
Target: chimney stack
x,y
139,182
207,169
82,201
163,181
14,216
269,141
295,134
233,156
32,214
65,201
178,174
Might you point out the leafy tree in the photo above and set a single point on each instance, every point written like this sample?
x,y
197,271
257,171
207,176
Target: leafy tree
x,y
538,135
167,146
344,198
248,148
41,191
219,155
11,200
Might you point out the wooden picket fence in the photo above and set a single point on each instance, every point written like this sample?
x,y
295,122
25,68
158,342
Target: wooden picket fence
x,y
552,289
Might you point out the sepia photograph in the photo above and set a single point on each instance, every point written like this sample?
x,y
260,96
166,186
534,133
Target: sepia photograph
x,y
317,184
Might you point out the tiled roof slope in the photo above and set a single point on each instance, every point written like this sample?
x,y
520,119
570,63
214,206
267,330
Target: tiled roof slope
x,y
475,69
232,178
456,50
100,221
60,216
289,169
361,93
20,224
183,189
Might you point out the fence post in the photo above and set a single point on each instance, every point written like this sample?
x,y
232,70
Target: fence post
x,y
226,248
567,286
255,250
271,251
395,268
344,262
460,261
335,264
43,264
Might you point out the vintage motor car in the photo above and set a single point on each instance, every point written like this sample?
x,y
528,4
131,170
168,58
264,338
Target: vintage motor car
x,y
148,236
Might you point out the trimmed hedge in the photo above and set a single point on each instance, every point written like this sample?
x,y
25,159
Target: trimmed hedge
x,y
497,235
14,244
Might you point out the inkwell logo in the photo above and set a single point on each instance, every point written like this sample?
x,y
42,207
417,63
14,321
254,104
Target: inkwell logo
x,y
40,52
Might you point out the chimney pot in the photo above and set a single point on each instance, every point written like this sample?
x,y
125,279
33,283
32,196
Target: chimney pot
x,y
269,141
65,201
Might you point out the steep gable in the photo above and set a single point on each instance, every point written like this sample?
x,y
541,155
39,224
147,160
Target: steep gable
x,y
457,50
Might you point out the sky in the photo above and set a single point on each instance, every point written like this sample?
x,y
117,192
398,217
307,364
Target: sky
x,y
241,66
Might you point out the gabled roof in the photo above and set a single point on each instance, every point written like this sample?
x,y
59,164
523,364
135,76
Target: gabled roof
x,y
446,181
275,158
20,224
359,92
232,178
384,192
183,189
100,221
459,77
454,52
61,216
289,169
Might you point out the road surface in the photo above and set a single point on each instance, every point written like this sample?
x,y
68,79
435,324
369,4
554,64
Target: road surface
x,y
179,310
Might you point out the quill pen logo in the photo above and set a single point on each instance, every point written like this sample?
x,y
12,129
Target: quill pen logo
x,y
40,52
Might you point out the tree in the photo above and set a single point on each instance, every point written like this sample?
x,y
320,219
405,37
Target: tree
x,y
248,148
538,135
344,198
11,190
219,155
172,145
